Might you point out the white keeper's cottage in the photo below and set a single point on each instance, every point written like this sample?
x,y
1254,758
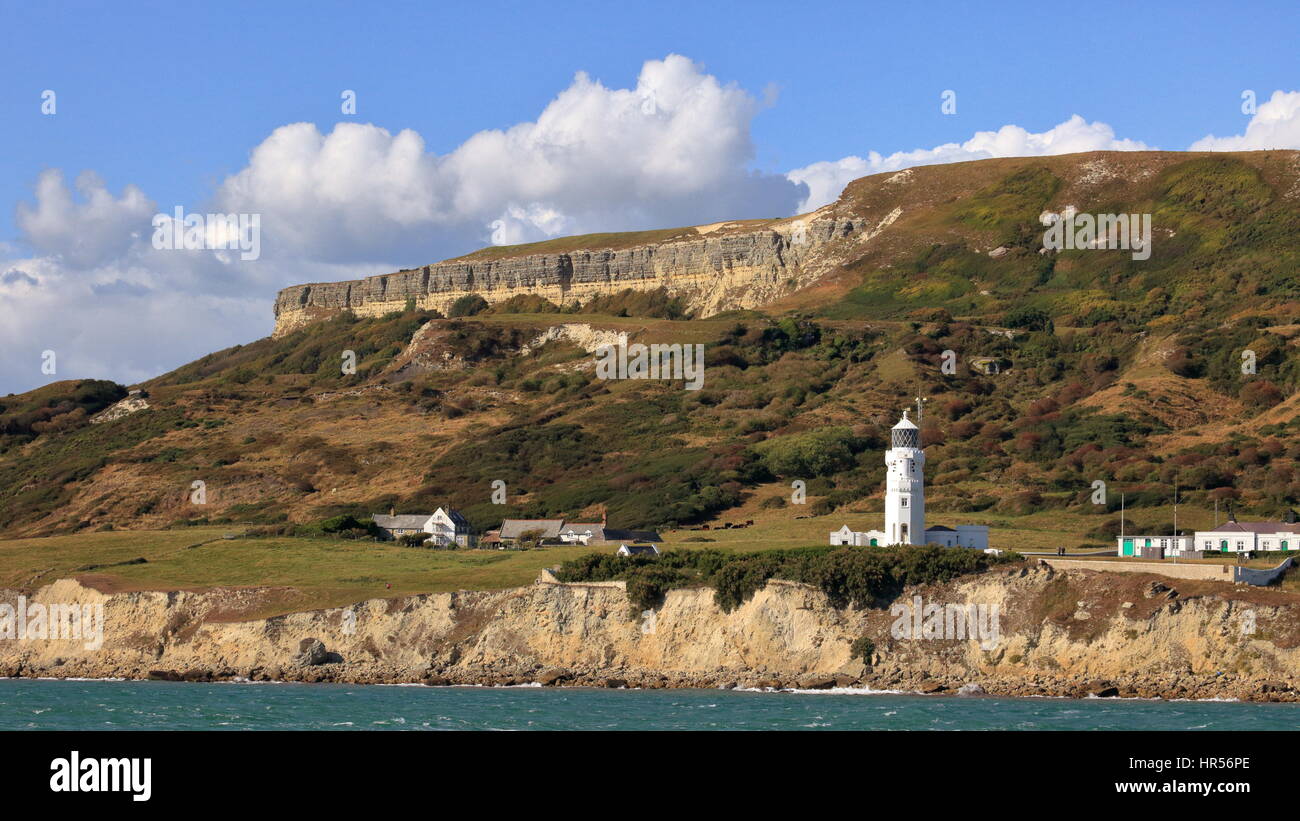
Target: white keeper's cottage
x,y
905,502
445,527
1230,537
1244,537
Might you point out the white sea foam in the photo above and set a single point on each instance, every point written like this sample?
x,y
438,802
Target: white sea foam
x,y
834,691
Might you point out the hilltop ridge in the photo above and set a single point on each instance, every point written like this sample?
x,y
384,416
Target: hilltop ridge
x,y
714,268
879,221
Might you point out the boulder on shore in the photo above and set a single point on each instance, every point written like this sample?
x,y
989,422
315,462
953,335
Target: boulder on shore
x,y
165,675
816,683
552,676
311,652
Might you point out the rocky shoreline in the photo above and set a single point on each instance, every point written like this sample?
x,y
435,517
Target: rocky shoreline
x,y
1201,688
1071,634
1204,687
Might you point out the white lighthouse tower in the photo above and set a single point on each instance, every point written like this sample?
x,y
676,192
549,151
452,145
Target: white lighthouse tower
x,y
905,502
905,485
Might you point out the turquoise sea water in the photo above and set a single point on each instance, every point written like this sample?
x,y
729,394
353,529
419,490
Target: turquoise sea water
x,y
150,705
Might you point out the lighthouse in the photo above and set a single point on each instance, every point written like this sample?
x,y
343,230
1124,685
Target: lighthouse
x,y
905,502
905,485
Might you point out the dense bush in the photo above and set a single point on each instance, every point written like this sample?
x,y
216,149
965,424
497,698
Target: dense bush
x,y
524,304
816,453
848,576
1032,319
345,526
862,648
468,305
629,302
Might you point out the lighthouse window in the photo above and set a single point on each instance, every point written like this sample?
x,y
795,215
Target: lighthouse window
x,y
905,438
904,501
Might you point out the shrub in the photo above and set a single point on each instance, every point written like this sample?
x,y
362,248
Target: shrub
x,y
629,302
347,526
524,304
1033,319
1108,530
862,648
815,453
848,576
468,305
1260,393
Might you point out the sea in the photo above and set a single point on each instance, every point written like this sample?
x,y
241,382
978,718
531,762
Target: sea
x,y
46,704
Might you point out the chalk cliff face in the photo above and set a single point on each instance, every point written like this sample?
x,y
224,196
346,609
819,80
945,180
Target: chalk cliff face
x,y
1060,633
715,269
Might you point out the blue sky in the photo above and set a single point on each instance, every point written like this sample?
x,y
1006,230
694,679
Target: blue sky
x,y
172,98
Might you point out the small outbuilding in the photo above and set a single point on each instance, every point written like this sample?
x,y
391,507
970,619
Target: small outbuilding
x,y
638,550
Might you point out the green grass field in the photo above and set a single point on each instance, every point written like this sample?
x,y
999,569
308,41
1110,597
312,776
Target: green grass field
x,y
341,571
327,572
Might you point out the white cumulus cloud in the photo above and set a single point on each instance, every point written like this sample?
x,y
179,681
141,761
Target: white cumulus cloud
x,y
1275,124
87,231
674,150
825,180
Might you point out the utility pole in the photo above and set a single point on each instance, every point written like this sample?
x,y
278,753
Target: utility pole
x,y
1120,552
1177,543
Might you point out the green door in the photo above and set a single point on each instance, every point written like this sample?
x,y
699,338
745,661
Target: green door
x,y
1284,545
1223,545
873,542
1128,548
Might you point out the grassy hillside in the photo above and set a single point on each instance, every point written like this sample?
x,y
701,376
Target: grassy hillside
x,y
1109,369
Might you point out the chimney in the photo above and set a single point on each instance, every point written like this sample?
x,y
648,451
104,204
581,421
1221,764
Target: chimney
x,y
604,516
1232,515
392,511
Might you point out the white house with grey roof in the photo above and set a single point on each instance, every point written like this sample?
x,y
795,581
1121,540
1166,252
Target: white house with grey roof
x,y
515,529
583,533
445,527
637,550
1244,537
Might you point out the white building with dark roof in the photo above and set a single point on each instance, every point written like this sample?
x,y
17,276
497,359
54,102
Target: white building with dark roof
x,y
637,550
445,527
1244,537
514,529
848,537
1154,545
397,525
905,502
583,533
